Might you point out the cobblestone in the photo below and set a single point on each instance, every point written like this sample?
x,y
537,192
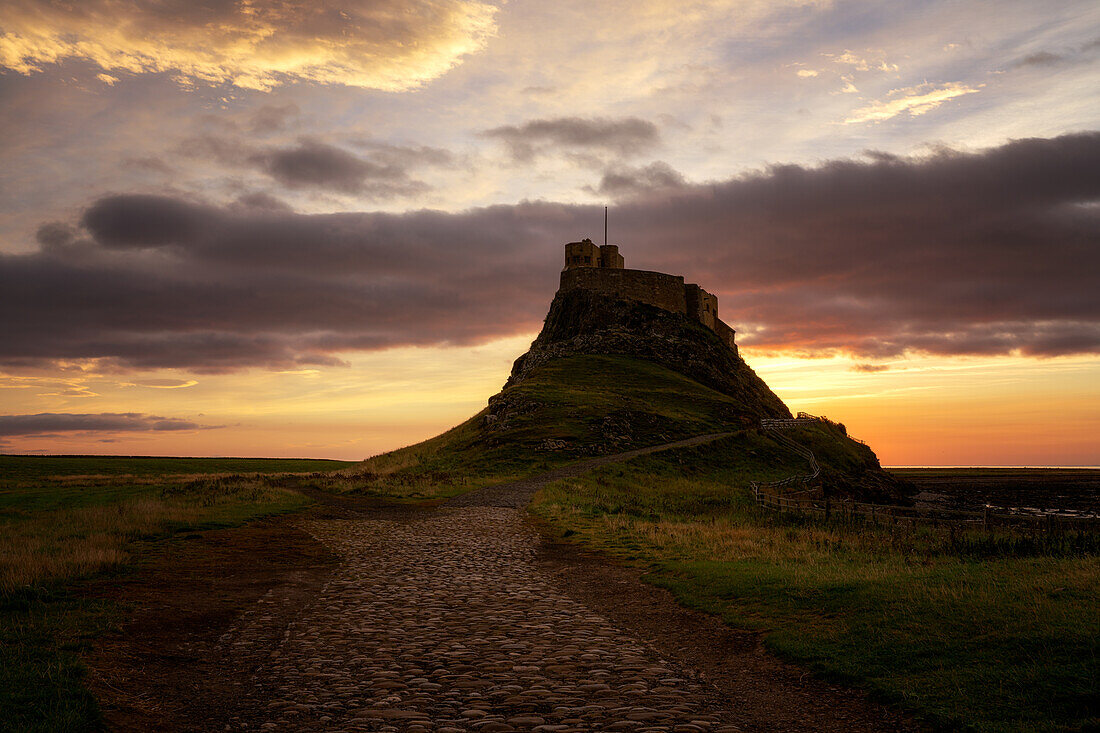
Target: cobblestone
x,y
443,623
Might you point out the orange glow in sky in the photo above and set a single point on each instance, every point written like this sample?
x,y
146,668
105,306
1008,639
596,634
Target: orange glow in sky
x,y
327,229
918,411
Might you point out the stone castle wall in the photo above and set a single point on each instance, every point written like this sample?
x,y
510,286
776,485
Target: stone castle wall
x,y
725,333
654,288
701,305
667,292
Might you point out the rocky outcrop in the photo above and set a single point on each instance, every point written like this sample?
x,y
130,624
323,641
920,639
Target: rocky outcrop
x,y
587,322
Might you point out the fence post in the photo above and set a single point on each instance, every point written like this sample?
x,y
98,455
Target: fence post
x,y
985,518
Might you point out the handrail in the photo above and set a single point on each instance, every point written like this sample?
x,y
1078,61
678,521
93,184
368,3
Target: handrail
x,y
774,426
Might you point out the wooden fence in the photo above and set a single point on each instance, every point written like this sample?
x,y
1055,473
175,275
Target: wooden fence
x,y
815,500
804,502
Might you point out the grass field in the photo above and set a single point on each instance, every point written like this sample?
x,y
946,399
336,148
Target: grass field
x,y
976,631
65,518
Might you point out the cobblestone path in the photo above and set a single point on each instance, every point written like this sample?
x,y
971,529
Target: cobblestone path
x,y
442,622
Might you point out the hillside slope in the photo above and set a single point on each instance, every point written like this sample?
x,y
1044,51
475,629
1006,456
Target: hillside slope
x,y
587,322
568,408
604,376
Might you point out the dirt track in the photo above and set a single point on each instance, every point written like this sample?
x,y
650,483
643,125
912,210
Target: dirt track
x,y
461,618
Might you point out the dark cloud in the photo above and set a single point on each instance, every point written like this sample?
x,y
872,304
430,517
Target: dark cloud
x,y
313,164
51,423
143,221
381,170
621,137
1072,55
992,252
54,234
1042,58
627,181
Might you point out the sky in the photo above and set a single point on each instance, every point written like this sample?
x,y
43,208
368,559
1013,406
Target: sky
x,y
327,228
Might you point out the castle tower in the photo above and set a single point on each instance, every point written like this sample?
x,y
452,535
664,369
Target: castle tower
x,y
701,305
582,254
587,253
610,257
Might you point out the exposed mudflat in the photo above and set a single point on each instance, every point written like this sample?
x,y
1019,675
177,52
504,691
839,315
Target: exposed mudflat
x,y
1062,490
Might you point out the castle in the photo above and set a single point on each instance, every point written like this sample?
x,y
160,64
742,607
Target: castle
x,y
601,268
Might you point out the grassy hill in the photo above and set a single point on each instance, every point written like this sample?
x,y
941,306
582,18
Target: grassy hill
x,y
566,409
579,406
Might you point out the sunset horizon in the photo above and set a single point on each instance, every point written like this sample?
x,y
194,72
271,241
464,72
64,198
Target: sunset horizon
x,y
266,243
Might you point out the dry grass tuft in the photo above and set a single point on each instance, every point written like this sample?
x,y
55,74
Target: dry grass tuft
x,y
64,543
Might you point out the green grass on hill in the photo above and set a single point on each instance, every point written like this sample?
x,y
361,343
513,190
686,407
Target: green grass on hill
x,y
567,409
1005,639
63,518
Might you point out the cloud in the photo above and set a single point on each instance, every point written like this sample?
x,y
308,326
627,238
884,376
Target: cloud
x,y
870,368
1044,59
623,137
260,201
627,181
392,45
272,117
164,383
875,61
912,101
990,252
383,170
141,221
1041,58
313,164
47,423
148,164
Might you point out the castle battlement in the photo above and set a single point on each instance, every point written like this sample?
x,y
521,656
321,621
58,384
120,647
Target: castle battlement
x,y
601,268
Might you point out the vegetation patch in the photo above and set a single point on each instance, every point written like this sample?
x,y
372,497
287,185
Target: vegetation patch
x,y
66,518
990,631
546,421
